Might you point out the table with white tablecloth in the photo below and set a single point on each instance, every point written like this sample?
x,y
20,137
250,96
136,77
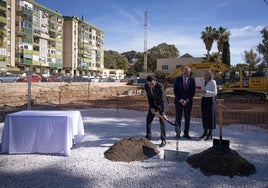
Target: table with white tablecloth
x,y
42,131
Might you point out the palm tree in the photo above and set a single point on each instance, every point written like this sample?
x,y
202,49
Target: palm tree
x,y
222,36
208,36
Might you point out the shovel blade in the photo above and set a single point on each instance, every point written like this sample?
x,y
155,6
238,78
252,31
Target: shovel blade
x,y
171,155
221,145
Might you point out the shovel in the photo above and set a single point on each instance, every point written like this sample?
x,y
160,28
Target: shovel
x,y
220,144
171,155
156,113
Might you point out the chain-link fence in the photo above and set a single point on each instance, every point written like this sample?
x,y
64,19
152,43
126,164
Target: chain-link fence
x,y
250,115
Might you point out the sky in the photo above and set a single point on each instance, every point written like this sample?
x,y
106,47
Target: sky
x,y
175,22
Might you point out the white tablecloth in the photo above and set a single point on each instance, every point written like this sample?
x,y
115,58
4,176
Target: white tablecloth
x,y
42,131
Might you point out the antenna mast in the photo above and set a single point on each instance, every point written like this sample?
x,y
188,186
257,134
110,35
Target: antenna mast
x,y
145,41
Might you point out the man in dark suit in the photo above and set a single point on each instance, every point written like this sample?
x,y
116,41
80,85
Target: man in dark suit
x,y
157,101
184,91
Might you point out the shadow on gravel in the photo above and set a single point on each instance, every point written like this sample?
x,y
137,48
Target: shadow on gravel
x,y
47,177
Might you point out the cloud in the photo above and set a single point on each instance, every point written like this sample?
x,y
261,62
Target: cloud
x,y
247,31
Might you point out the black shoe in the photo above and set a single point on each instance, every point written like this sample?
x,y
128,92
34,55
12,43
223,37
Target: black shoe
x,y
187,136
177,137
148,137
209,137
163,143
203,135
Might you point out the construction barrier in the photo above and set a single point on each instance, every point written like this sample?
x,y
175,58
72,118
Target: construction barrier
x,y
249,115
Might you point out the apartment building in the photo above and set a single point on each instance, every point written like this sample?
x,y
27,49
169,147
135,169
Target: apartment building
x,y
39,38
7,35
35,37
83,47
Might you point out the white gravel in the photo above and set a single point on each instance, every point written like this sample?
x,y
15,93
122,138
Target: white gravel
x,y
87,166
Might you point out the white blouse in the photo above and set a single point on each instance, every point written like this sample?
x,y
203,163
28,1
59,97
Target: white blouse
x,y
210,87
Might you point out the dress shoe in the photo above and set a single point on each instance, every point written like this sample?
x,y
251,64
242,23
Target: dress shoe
x,y
187,136
148,137
203,135
208,137
163,143
177,137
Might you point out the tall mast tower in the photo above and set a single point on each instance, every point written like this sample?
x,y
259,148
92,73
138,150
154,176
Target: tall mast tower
x,y
145,41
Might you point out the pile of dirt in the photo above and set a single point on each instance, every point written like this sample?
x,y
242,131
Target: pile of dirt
x,y
132,149
230,163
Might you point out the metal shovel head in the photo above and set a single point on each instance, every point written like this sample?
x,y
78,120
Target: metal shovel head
x,y
171,155
221,145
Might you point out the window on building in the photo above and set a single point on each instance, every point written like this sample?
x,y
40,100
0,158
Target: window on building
x,y
178,66
36,9
164,67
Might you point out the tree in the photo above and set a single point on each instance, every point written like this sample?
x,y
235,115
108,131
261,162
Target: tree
x,y
131,56
226,53
251,58
208,36
222,36
214,57
163,50
263,48
114,60
138,66
241,66
121,62
110,57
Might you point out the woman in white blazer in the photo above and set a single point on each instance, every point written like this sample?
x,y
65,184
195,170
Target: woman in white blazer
x,y
208,109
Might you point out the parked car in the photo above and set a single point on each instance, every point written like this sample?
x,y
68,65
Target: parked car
x,y
50,78
64,78
35,78
9,78
81,79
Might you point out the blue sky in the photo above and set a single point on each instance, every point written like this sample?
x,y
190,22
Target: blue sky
x,y
178,22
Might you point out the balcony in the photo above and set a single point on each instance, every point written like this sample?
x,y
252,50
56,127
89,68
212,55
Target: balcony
x,y
35,52
24,11
3,8
38,63
24,31
26,52
3,20
3,64
55,65
25,62
27,40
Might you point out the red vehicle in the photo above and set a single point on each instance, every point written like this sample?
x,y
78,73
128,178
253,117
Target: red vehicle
x,y
50,78
35,78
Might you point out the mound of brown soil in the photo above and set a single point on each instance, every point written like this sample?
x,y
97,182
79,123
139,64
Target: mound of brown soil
x,y
132,149
230,163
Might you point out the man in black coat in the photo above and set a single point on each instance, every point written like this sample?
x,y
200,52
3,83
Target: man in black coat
x,y
157,101
184,91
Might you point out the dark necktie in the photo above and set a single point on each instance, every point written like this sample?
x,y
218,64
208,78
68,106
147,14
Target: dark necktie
x,y
152,91
185,83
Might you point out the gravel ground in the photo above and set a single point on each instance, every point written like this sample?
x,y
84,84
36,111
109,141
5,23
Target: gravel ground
x,y
87,166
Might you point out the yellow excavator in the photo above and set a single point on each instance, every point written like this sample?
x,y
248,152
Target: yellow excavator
x,y
197,71
232,83
244,85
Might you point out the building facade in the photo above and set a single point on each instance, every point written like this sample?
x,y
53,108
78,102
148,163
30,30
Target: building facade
x,y
35,37
7,35
39,38
168,65
83,47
